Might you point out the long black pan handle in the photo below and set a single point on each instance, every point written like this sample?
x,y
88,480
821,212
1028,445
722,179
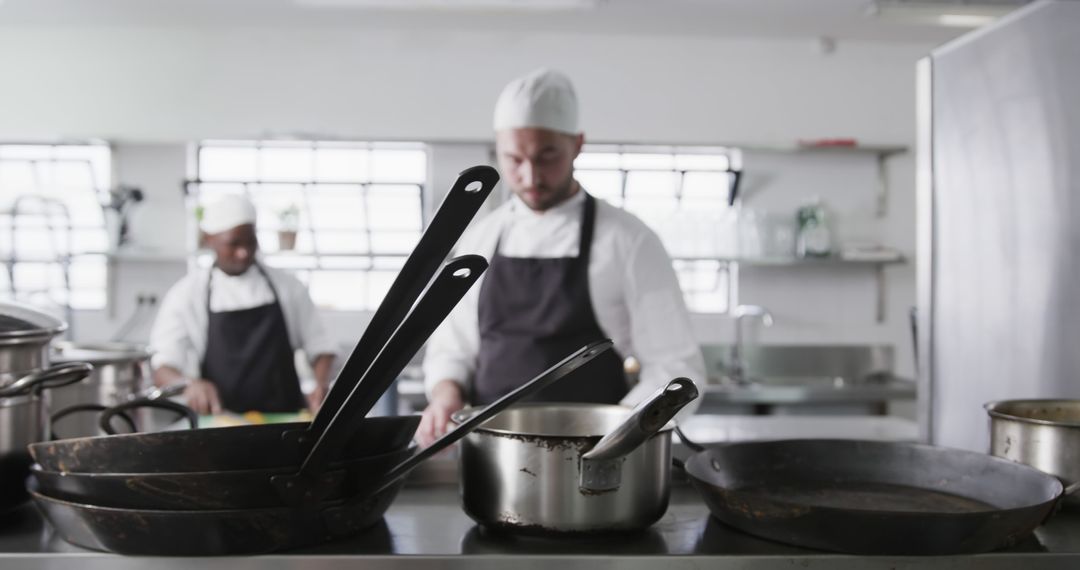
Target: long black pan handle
x,y
448,288
1060,501
689,443
335,516
695,447
459,207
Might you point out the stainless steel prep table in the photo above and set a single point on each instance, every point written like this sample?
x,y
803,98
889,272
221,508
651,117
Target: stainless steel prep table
x,y
426,528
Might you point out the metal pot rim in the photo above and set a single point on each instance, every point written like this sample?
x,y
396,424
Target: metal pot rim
x,y
47,326
464,414
20,400
99,352
992,408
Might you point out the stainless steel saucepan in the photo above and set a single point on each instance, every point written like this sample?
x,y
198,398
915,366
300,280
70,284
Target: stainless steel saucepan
x,y
25,333
572,468
24,420
1042,433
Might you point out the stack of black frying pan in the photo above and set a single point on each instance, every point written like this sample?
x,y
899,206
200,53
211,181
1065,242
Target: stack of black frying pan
x,y
261,488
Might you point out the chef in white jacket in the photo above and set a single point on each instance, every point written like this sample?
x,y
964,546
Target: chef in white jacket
x,y
565,269
241,323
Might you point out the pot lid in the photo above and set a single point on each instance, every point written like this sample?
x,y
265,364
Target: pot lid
x,y
19,321
99,352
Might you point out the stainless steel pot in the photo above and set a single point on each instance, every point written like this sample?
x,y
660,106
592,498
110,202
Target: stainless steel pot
x,y
24,419
25,334
120,373
572,468
1042,433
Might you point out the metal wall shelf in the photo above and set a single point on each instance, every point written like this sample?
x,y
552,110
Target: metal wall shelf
x,y
878,265
798,261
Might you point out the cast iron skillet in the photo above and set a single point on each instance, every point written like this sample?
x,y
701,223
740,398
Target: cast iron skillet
x,y
252,531
278,445
872,497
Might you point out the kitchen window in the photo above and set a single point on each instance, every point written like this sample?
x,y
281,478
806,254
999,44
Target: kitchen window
x,y
682,193
53,237
342,216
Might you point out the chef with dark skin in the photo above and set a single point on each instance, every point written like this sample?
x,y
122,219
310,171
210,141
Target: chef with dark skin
x,y
229,332
566,269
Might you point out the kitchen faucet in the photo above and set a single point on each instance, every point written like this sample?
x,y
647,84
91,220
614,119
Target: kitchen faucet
x,y
737,366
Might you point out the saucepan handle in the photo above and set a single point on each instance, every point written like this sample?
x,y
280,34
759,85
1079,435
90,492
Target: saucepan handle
x,y
601,467
49,378
82,409
689,443
162,392
105,421
645,420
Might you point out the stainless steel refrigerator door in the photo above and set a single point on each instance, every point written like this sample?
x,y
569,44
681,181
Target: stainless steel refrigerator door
x,y
1002,302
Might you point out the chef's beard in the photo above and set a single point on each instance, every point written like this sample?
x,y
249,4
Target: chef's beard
x,y
543,198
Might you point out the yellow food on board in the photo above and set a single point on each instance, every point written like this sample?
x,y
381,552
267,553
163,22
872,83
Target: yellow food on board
x,y
253,418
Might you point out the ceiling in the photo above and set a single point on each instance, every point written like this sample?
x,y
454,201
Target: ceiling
x,y
839,19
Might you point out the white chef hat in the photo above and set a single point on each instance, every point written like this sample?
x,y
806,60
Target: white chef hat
x,y
226,213
543,99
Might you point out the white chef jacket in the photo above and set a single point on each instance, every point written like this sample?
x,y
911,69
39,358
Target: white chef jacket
x,y
634,291
178,337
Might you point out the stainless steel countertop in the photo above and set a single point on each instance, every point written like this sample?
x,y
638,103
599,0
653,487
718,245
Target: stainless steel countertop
x,y
426,528
808,391
772,391
708,428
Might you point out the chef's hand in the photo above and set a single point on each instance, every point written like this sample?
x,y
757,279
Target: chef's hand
x,y
446,399
202,396
315,398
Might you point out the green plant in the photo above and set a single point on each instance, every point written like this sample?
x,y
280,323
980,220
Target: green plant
x,y
289,218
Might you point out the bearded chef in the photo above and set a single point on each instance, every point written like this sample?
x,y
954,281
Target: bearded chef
x,y
240,323
565,269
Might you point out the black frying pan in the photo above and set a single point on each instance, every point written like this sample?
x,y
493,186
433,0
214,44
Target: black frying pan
x,y
871,497
252,531
215,490
317,477
218,532
277,445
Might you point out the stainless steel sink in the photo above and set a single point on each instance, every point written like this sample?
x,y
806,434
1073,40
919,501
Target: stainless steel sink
x,y
795,379
838,365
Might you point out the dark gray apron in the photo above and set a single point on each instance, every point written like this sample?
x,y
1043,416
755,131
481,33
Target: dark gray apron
x,y
250,359
533,312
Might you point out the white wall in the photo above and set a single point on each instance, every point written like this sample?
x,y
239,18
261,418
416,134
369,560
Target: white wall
x,y
168,86
175,84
